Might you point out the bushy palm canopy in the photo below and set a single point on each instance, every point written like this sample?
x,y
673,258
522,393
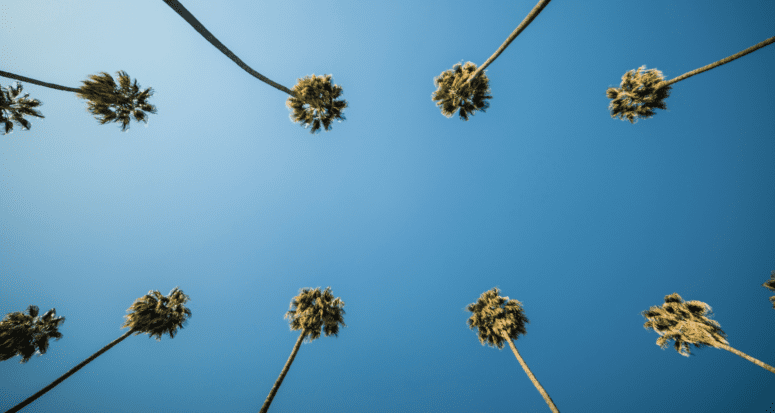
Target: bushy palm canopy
x,y
684,322
311,309
13,108
454,91
770,285
314,103
113,103
492,318
24,334
156,315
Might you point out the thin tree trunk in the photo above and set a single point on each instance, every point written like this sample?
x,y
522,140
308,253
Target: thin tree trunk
x,y
190,19
720,62
533,14
747,357
38,82
541,390
68,374
279,381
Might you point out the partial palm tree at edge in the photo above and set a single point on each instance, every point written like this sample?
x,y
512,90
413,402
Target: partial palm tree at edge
x,y
102,95
496,325
26,334
152,314
639,93
313,310
319,94
467,88
686,323
770,285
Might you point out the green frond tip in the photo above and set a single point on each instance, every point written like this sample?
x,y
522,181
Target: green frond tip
x,y
455,92
13,108
113,103
315,103
638,95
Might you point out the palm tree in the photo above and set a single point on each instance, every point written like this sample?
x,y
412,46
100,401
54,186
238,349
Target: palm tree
x,y
642,92
497,325
313,309
12,108
685,322
770,285
102,95
21,334
318,93
152,314
464,88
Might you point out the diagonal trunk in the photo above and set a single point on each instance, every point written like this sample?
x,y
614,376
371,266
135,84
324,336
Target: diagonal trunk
x,y
279,381
747,357
190,19
531,376
38,82
530,17
720,62
68,374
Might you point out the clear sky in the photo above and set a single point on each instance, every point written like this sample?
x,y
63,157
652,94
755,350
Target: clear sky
x,y
408,215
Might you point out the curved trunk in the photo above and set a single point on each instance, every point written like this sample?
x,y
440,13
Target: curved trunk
x,y
68,374
279,381
531,376
190,19
530,17
38,82
747,357
720,62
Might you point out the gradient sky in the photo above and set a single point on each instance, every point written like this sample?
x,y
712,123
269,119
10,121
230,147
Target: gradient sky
x,y
409,216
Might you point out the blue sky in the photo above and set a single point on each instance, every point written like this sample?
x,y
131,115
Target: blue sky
x,y
409,216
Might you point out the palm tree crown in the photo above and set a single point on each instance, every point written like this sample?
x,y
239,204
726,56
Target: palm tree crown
x,y
13,108
639,93
686,323
101,92
317,94
467,89
152,314
21,334
770,285
312,311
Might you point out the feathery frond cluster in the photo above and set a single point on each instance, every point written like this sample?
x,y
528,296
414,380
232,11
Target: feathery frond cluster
x,y
21,334
104,95
638,95
770,285
684,322
314,102
309,315
454,91
492,320
13,108
156,314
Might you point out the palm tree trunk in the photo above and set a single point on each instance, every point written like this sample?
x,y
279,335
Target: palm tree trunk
x,y
747,357
190,19
530,17
279,381
68,374
38,82
541,390
720,62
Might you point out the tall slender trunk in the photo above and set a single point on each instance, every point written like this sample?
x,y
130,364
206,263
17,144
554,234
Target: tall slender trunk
x,y
38,82
541,390
279,381
190,19
68,374
747,357
530,17
720,62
